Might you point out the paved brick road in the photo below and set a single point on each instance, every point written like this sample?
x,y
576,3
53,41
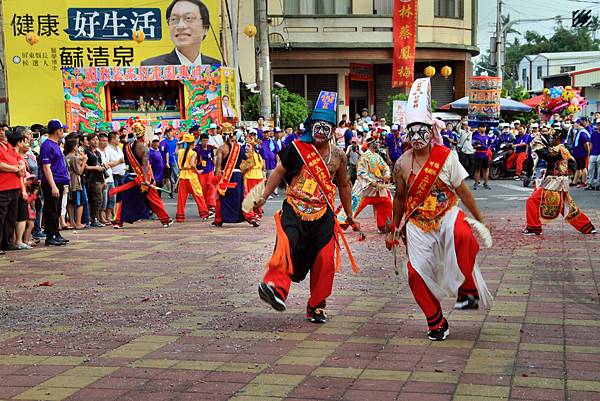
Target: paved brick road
x,y
147,313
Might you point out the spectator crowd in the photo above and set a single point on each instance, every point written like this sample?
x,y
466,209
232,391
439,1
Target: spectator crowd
x,y
51,180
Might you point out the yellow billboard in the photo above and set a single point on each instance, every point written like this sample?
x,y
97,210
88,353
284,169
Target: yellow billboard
x,y
43,36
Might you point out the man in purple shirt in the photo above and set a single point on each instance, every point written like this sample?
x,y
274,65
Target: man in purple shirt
x,y
517,159
157,163
394,144
54,177
481,144
594,162
268,151
581,151
206,167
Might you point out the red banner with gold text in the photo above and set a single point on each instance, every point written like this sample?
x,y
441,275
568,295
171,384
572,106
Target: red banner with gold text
x,y
405,40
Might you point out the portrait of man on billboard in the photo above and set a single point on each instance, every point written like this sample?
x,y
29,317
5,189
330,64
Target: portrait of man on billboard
x,y
189,23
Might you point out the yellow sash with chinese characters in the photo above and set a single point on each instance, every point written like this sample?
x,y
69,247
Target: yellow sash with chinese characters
x,y
419,193
228,170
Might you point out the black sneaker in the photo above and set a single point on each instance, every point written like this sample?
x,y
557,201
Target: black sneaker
x,y
60,238
169,224
530,233
268,294
439,334
486,186
316,315
52,241
468,302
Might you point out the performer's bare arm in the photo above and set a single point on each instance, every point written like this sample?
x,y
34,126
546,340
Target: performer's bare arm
x,y
400,195
193,163
222,153
466,196
145,162
343,181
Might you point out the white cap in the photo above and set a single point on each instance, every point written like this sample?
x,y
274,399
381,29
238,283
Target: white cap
x,y
155,138
395,127
418,107
516,122
157,130
535,125
503,125
213,126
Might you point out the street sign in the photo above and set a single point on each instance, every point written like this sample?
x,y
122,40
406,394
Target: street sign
x,y
581,18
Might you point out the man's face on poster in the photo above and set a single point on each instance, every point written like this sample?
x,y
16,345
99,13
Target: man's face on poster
x,y
186,25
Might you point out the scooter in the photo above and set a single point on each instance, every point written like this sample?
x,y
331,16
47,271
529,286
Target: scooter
x,y
498,168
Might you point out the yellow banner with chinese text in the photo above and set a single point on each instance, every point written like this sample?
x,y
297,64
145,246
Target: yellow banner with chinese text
x,y
41,37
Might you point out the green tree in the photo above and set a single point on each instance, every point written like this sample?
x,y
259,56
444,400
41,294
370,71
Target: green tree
x,y
562,40
293,107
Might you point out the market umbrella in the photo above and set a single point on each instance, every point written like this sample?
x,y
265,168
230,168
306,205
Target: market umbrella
x,y
505,105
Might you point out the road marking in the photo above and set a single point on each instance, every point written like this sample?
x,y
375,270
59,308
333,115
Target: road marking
x,y
514,187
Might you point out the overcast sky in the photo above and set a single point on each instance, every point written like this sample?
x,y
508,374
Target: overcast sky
x,y
528,9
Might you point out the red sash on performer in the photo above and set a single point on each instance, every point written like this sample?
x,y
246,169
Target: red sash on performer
x,y
421,186
229,167
318,169
137,169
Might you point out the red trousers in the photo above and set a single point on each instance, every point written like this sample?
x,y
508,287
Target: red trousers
x,y
209,190
321,277
156,205
518,159
466,248
185,189
581,222
250,183
382,208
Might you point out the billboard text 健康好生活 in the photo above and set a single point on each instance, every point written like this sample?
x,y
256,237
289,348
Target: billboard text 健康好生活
x,y
97,33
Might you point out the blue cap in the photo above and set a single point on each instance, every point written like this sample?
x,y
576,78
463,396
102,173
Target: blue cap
x,y
324,111
55,125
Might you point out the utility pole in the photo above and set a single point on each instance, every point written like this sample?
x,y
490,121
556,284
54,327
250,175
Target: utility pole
x,y
264,69
498,37
236,62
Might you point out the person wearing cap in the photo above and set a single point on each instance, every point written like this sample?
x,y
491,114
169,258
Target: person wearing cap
x,y
308,233
548,201
440,244
393,144
581,151
157,163
188,180
365,115
481,144
449,136
230,182
168,149
466,152
506,136
214,139
518,159
593,178
138,194
373,175
54,177
195,131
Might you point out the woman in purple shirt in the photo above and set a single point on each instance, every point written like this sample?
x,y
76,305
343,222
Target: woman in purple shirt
x,y
157,163
481,144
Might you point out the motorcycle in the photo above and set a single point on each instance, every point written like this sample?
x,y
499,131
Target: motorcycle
x,y
498,168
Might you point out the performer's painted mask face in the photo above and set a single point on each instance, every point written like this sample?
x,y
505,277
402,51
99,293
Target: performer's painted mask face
x,y
419,136
322,131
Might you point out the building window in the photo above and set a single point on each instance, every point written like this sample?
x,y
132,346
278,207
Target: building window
x,y
566,68
449,8
539,72
317,7
383,7
524,74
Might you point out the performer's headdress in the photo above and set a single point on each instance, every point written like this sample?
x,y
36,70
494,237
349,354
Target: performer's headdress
x,y
325,110
419,118
227,129
137,126
188,138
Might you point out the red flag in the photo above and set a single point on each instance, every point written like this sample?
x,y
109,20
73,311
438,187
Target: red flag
x,y
405,41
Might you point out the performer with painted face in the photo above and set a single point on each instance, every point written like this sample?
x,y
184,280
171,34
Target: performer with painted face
x,y
307,232
547,202
371,186
230,182
440,244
